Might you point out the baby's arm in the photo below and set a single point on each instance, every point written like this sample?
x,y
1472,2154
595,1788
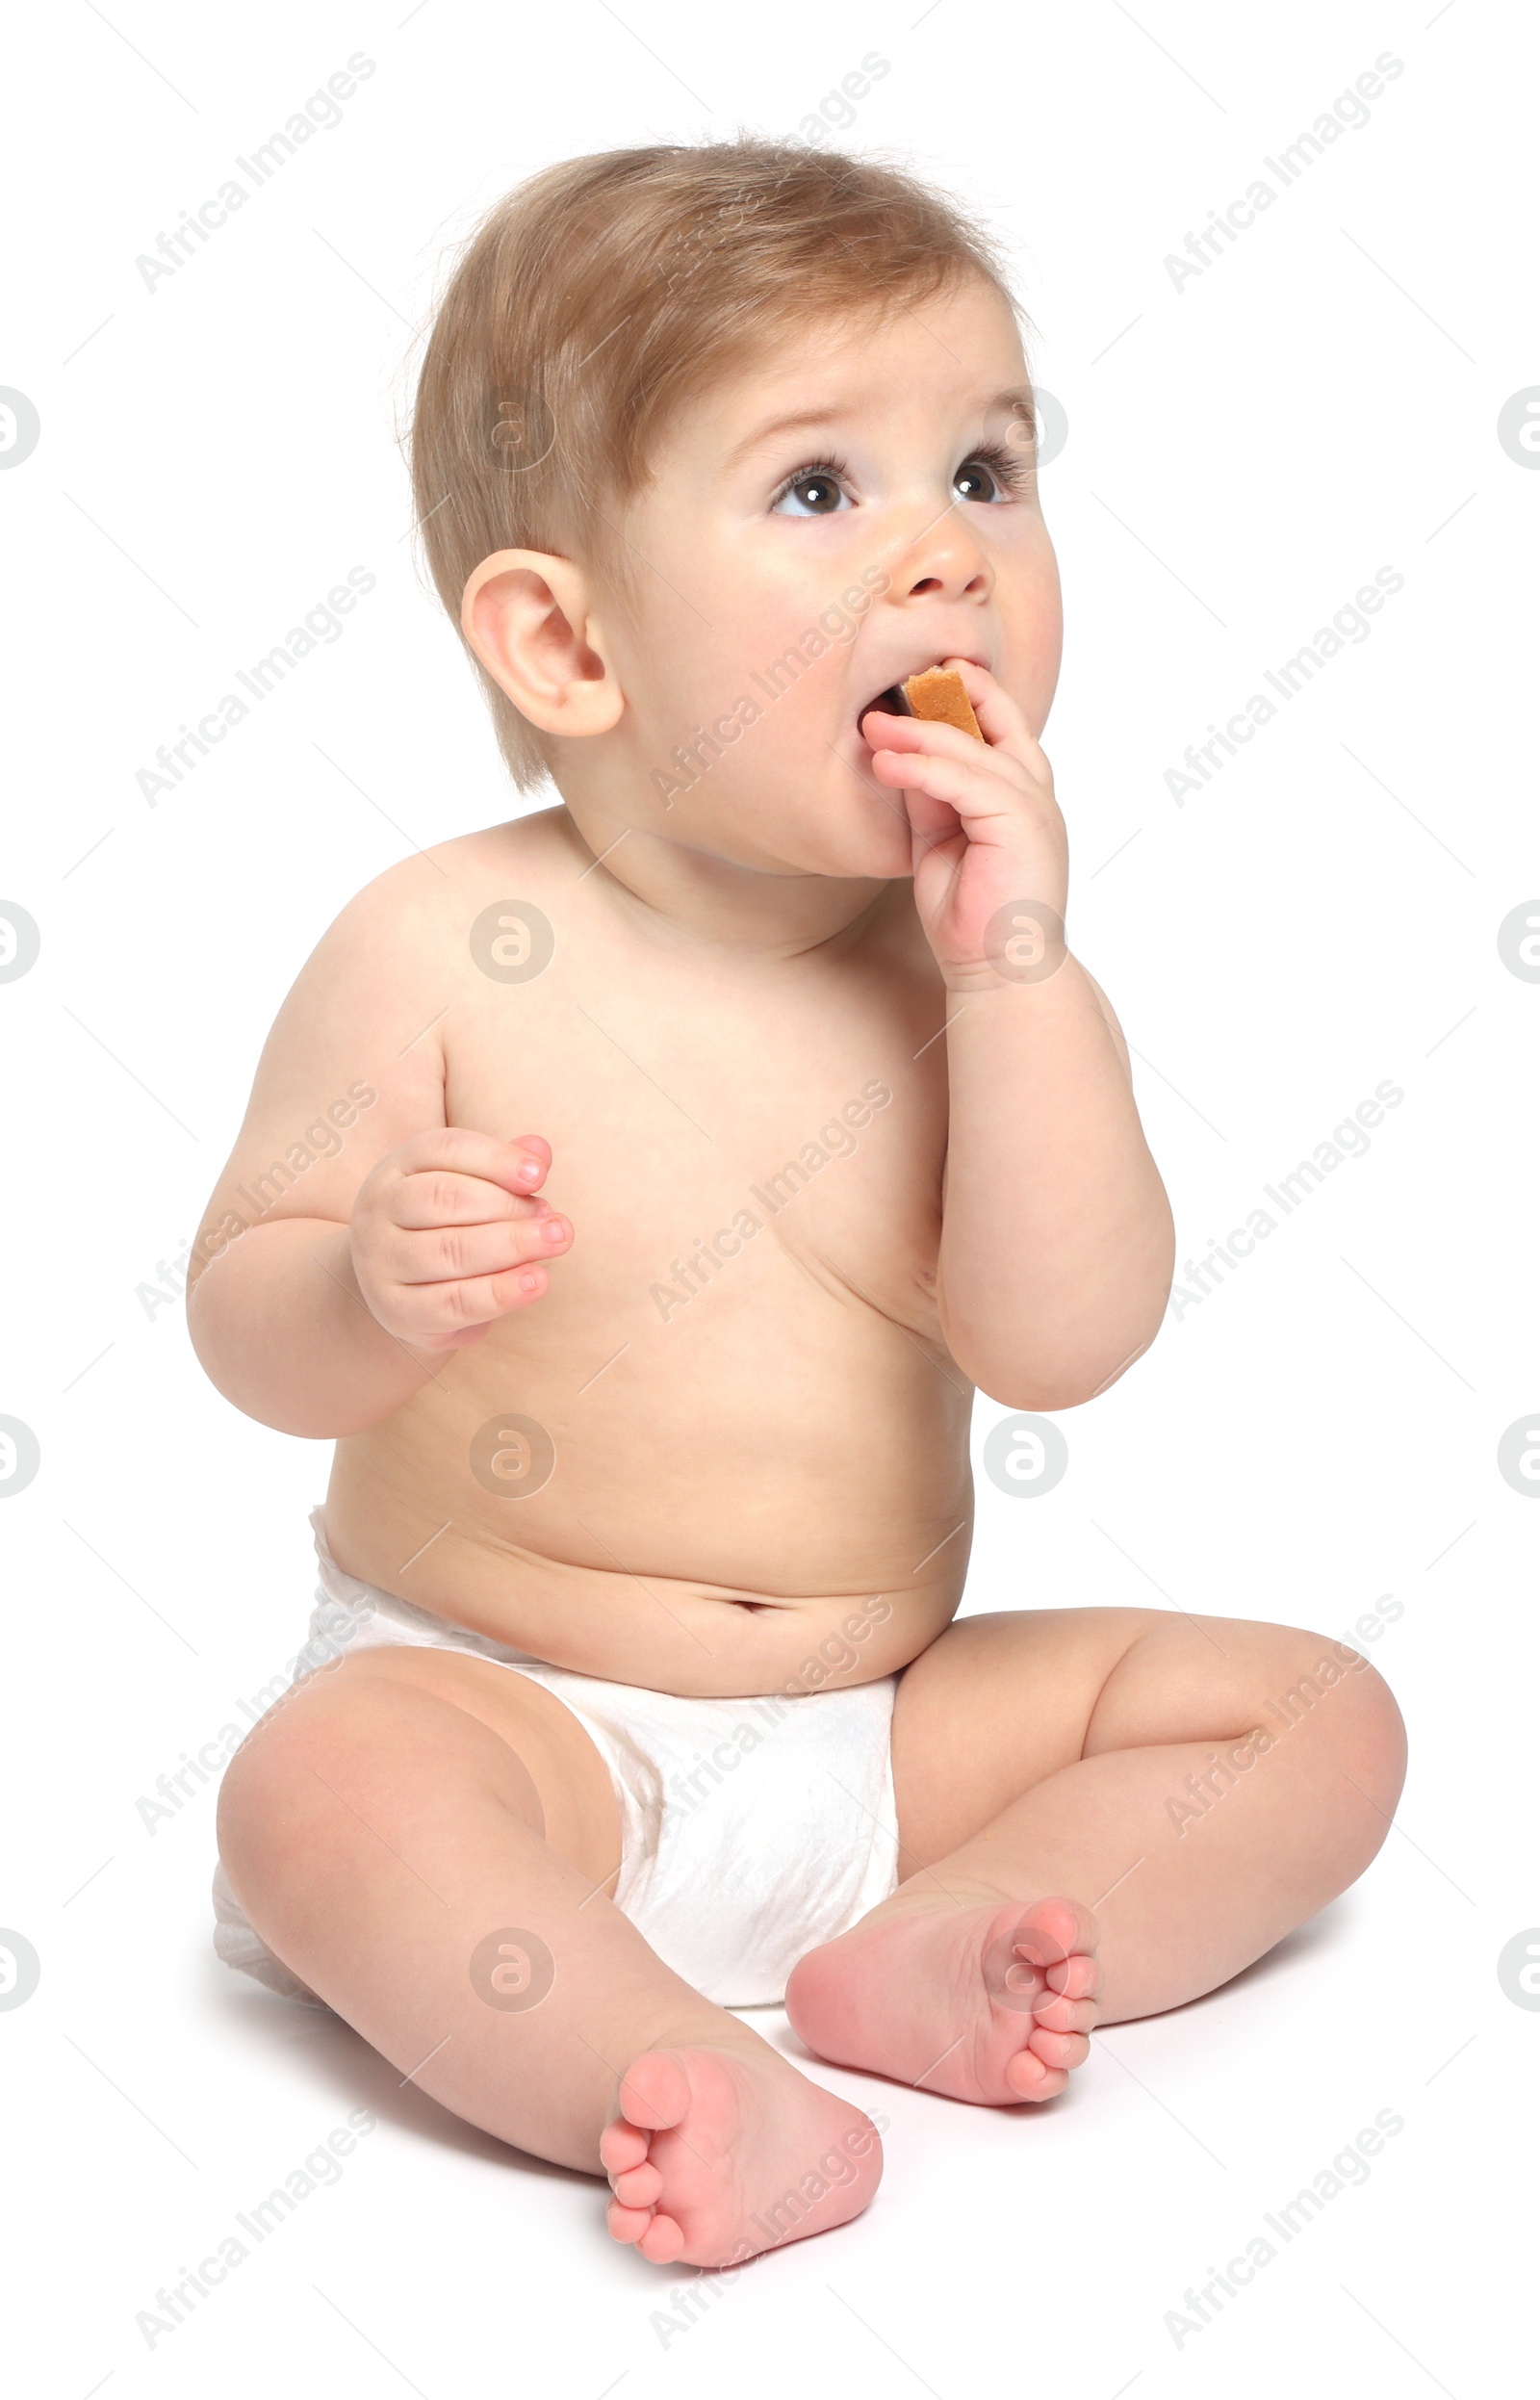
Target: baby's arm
x,y
1056,1251
1056,1243
326,1279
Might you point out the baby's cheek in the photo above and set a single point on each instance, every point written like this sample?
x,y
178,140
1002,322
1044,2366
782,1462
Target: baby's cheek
x,y
1035,644
710,699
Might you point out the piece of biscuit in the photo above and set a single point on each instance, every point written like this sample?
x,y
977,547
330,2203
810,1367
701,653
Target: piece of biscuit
x,y
939,695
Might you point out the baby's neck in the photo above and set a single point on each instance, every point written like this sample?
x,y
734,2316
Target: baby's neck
x,y
692,897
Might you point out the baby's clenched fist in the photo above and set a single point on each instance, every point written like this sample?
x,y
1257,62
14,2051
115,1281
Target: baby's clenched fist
x,y
448,1235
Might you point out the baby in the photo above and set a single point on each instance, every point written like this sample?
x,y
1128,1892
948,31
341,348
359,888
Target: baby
x,y
636,1695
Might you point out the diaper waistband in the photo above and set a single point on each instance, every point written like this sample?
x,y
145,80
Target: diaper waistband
x,y
380,1616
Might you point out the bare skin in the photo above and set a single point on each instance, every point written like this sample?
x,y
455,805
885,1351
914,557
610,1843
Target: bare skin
x,y
772,994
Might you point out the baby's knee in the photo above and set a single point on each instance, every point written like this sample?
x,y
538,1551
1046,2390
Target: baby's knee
x,y
274,1787
1334,1686
1379,1734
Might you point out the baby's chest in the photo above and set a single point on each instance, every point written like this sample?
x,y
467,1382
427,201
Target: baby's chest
x,y
804,1148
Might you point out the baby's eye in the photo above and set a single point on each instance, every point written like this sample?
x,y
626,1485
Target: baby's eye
x,y
979,479
813,492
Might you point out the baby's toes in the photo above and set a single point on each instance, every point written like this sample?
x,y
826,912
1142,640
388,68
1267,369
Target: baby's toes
x,y
626,2225
621,2146
663,2242
1061,1930
1077,1978
1056,2049
638,2187
1067,2016
1031,2080
654,2090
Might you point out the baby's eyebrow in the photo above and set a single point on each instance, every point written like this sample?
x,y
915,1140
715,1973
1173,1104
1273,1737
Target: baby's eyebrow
x,y
1015,396
799,420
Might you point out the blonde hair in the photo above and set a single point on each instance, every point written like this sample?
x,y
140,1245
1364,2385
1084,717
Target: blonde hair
x,y
598,299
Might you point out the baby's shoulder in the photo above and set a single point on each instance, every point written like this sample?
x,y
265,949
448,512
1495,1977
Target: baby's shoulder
x,y
367,1011
428,906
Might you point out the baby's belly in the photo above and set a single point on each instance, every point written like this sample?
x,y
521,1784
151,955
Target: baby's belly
x,y
741,1506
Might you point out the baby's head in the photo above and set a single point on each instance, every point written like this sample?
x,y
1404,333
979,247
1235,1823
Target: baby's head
x,y
711,446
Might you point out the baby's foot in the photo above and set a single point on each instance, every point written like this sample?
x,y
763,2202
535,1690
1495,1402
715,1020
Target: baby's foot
x,y
985,2004
718,2154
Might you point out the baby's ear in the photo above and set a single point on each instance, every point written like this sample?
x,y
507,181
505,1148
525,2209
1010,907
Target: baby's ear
x,y
527,615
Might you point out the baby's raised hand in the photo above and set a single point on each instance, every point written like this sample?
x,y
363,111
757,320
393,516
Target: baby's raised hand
x,y
448,1237
990,852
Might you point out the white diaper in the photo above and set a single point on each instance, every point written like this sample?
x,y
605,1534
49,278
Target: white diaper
x,y
751,1830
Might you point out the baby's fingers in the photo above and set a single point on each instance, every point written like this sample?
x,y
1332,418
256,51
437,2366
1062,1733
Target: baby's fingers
x,y
1000,719
520,1166
453,1254
963,783
439,1195
455,1315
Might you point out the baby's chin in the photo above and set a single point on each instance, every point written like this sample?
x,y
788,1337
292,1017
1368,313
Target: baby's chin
x,y
851,842
831,819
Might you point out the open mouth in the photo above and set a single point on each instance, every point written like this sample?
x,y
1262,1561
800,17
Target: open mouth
x,y
895,700
942,696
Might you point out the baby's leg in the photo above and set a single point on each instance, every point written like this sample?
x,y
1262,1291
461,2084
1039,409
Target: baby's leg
x,y
1201,1784
401,1811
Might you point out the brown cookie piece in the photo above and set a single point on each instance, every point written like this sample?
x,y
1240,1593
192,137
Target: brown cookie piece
x,y
939,695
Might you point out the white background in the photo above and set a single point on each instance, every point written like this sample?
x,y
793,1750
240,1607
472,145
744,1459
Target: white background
x,y
1244,454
